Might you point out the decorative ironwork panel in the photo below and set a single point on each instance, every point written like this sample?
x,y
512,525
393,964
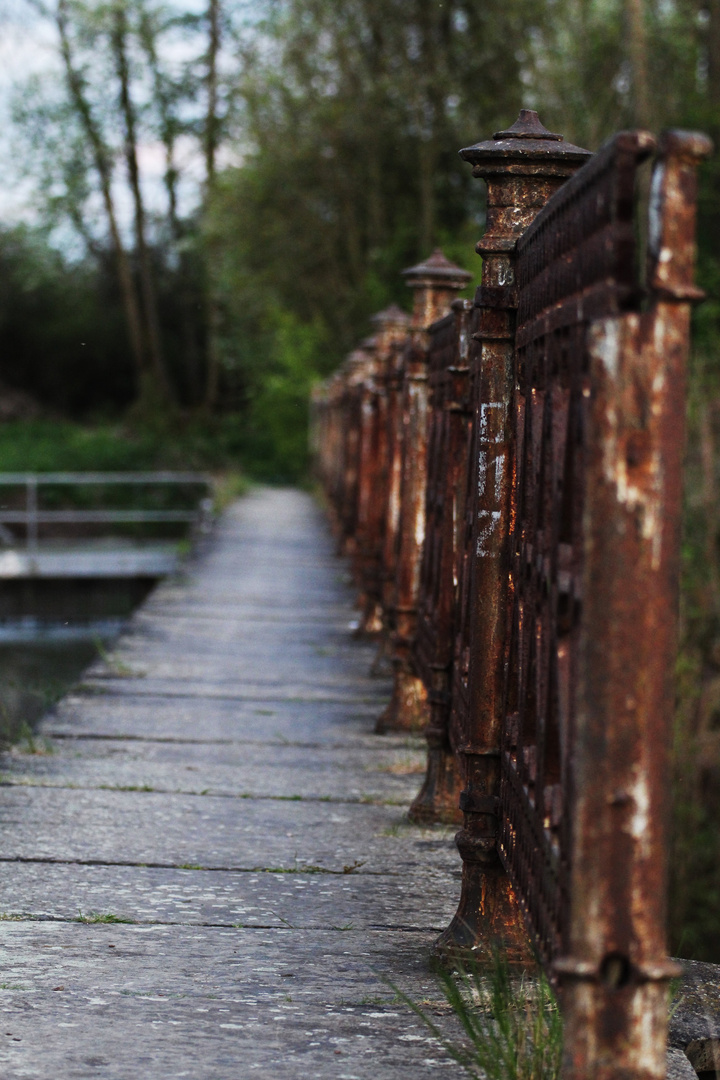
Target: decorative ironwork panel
x,y
577,262
441,356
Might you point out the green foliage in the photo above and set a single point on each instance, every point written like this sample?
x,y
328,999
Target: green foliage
x,y
695,837
61,331
99,917
196,442
278,403
511,1022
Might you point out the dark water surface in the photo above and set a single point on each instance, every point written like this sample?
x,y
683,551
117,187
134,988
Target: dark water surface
x,y
39,662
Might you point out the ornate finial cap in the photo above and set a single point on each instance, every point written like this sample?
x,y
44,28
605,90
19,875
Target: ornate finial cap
x,y
390,316
437,271
528,126
527,141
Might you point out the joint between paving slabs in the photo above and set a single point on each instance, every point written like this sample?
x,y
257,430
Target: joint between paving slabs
x,y
148,789
109,919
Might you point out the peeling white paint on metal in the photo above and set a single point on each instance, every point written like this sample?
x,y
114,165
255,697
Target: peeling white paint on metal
x,y
649,1055
655,210
506,275
605,336
492,412
488,521
455,532
420,526
496,464
605,343
640,818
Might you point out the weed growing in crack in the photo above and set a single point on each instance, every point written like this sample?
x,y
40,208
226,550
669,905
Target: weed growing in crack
x,y
116,667
353,866
99,917
370,999
512,1023
30,743
126,787
394,829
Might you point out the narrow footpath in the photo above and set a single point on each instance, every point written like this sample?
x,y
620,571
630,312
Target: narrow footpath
x,y
207,868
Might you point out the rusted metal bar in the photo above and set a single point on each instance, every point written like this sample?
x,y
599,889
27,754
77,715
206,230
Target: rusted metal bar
x,y
393,384
614,971
522,167
435,283
357,369
391,327
551,552
578,260
449,429
363,380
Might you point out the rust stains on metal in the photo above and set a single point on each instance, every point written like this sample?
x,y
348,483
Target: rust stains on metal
x,y
508,476
522,167
613,970
450,417
391,326
435,284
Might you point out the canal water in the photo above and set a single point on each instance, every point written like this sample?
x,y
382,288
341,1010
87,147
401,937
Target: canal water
x,y
40,662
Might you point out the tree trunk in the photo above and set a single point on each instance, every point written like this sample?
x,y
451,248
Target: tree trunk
x,y
637,49
709,497
212,306
147,286
713,53
427,161
101,160
168,121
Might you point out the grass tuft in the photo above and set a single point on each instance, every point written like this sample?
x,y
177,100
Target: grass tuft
x,y
99,917
512,1023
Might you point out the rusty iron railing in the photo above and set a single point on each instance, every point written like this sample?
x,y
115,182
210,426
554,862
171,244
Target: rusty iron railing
x,y
435,283
526,539
449,432
601,356
522,166
390,329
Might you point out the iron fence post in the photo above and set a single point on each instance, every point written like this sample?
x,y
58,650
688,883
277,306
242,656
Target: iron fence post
x,y
438,798
390,328
435,283
614,976
522,167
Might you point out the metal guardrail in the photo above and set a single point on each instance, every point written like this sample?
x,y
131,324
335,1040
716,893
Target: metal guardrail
x,y
534,600
33,516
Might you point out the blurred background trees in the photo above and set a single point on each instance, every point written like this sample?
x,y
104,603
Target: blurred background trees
x,y
203,173
224,190
207,173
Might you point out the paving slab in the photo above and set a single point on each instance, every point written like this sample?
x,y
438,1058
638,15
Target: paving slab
x,y
234,689
207,868
207,1002
212,718
41,891
235,769
148,827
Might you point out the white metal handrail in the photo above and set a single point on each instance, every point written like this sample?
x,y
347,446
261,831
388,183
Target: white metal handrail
x,y
32,516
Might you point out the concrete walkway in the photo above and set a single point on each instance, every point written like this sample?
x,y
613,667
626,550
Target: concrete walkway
x,y
207,868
